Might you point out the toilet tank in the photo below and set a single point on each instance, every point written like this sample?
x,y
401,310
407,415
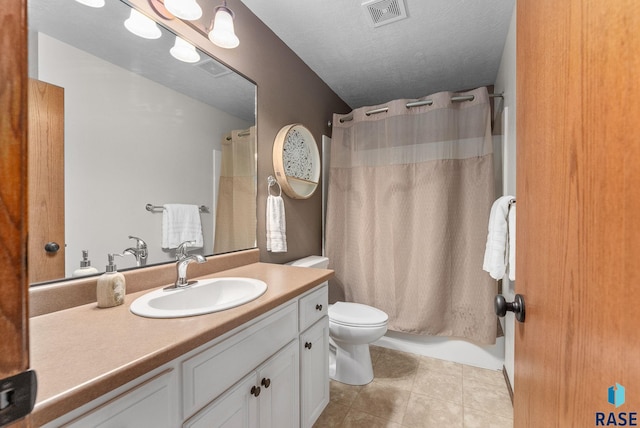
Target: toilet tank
x,y
319,262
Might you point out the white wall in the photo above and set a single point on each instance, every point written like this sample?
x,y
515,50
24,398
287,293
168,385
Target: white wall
x,y
128,141
506,83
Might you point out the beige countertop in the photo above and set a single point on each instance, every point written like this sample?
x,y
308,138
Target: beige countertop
x,y
83,352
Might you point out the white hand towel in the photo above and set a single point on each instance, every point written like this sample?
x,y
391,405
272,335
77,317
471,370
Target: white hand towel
x,y
276,225
512,242
181,223
495,256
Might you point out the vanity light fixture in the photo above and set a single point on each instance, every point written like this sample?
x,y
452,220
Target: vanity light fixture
x,y
222,33
92,3
142,25
188,10
184,51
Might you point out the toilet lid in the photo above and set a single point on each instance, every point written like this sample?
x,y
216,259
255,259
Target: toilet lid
x,y
356,314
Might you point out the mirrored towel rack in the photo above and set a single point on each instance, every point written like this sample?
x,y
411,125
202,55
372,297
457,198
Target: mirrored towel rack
x,y
152,208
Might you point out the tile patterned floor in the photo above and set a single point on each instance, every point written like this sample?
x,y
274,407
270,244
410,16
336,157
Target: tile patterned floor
x,y
414,391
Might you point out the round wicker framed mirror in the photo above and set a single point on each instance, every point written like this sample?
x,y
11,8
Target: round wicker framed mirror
x,y
296,161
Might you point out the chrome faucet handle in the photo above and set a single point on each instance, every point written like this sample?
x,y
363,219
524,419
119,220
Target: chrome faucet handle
x,y
183,249
140,245
181,272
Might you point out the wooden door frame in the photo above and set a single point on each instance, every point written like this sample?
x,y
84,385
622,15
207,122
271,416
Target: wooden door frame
x,y
14,283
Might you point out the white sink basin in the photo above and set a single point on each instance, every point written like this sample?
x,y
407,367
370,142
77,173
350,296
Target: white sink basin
x,y
206,296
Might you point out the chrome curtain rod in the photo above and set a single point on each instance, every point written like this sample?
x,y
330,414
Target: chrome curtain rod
x,y
420,103
241,134
152,208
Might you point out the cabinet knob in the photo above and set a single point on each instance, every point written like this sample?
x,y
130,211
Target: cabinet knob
x,y
255,390
318,307
308,345
266,382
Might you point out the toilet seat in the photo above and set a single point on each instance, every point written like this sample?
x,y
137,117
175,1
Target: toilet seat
x,y
356,315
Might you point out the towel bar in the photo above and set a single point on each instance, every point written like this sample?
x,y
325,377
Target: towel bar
x,y
151,208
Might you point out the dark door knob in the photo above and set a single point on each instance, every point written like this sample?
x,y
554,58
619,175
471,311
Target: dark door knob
x,y
318,307
51,247
517,306
255,391
265,382
308,345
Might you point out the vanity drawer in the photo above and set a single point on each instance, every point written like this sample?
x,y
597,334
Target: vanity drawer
x,y
211,372
314,306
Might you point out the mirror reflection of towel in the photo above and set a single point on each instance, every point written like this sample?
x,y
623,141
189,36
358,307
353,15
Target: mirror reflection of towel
x,y
181,223
276,225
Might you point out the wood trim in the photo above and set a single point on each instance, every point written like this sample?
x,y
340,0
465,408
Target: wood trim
x,y
14,347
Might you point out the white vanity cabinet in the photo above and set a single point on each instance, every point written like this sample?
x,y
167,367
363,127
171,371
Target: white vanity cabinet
x,y
269,372
266,398
210,372
153,403
314,355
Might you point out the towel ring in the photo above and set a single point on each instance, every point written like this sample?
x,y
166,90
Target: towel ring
x,y
271,181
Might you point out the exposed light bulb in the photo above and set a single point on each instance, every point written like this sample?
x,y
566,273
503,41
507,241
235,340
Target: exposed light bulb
x,y
188,10
92,3
142,25
184,51
222,34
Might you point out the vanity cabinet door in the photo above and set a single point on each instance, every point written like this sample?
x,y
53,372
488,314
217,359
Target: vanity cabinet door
x,y
236,408
209,373
266,398
314,371
153,404
279,386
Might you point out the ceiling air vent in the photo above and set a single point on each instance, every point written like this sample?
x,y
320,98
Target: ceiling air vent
x,y
381,12
213,67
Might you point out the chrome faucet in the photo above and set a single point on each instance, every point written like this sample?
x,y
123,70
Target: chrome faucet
x,y
184,260
140,252
183,248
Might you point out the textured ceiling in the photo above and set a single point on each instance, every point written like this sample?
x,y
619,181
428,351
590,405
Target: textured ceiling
x,y
442,45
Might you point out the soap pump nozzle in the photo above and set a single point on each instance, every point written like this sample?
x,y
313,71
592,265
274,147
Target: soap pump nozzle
x,y
85,262
111,267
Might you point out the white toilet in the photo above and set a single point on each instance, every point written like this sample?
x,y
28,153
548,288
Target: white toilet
x,y
352,327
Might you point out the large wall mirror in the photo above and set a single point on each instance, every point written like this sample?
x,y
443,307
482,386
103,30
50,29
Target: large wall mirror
x,y
117,123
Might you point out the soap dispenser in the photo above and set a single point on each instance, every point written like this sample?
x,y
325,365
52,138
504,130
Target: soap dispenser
x,y
111,285
85,266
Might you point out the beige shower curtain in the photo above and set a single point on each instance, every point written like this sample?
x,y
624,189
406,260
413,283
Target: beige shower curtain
x,y
410,192
236,207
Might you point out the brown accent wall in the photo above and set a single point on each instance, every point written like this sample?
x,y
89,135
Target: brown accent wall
x,y
288,92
